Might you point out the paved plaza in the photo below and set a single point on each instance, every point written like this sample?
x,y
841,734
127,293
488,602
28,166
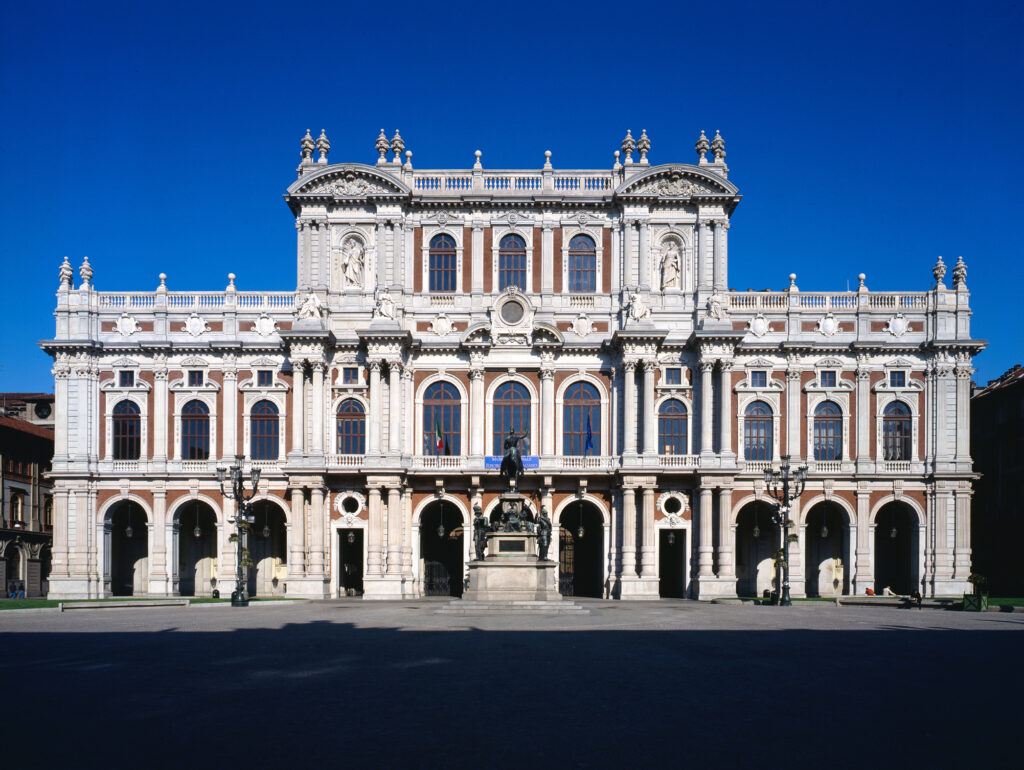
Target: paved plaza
x,y
394,684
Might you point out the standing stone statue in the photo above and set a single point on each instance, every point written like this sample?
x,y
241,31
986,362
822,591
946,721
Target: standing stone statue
x,y
479,531
543,533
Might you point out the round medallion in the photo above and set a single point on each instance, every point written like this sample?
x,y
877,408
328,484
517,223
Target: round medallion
x,y
512,312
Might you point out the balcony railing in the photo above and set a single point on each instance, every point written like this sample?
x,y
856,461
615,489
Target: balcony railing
x,y
826,466
126,466
189,300
345,461
897,466
680,461
588,463
438,461
560,182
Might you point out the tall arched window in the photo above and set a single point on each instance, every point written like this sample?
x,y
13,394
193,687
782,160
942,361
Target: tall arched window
x,y
195,431
582,264
17,508
511,412
896,432
127,431
672,427
351,428
757,432
581,420
443,261
442,420
264,430
828,432
512,263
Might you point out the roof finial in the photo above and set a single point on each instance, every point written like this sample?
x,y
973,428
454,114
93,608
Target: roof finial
x,y
718,148
702,149
408,160
382,148
323,146
477,155
547,159
86,272
643,146
66,274
939,272
960,274
628,145
616,165
307,148
397,145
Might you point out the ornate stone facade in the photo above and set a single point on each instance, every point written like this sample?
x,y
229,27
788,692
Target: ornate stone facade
x,y
435,309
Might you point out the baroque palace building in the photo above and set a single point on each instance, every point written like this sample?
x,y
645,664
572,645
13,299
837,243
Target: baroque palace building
x,y
435,311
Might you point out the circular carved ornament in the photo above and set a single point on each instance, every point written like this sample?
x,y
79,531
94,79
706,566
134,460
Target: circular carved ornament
x,y
512,312
349,503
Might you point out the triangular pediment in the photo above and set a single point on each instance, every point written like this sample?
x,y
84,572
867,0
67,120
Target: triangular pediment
x,y
349,181
676,181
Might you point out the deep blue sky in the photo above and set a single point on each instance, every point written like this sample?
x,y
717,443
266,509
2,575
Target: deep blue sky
x,y
865,137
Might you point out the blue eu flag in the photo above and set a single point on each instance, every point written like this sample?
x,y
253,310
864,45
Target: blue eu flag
x,y
589,446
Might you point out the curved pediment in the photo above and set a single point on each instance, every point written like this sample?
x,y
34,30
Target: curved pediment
x,y
675,181
348,181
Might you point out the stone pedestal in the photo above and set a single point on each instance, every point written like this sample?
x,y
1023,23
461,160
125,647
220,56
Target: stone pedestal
x,y
511,571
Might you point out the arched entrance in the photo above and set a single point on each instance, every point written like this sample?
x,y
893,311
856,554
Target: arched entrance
x,y
895,549
581,551
441,545
196,525
268,549
127,533
757,540
827,550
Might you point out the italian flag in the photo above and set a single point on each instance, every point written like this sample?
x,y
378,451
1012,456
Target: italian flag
x,y
438,438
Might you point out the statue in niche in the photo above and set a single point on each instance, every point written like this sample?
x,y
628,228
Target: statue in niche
x,y
385,305
543,533
310,307
351,261
670,264
716,306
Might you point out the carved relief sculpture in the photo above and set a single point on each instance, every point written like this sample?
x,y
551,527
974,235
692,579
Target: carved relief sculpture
x,y
351,259
897,326
264,325
441,325
716,307
127,325
828,325
385,305
581,325
670,264
759,325
310,307
635,308
195,325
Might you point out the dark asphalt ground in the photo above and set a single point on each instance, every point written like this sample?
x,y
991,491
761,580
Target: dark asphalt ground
x,y
382,685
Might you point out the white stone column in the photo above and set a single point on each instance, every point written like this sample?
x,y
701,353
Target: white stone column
x,y
408,412
644,256
316,532
478,260
298,406
159,415
373,430
721,280
629,421
547,411
864,576
648,549
707,402
158,583
398,239
229,441
650,416
59,565
705,550
547,252
395,411
704,263
726,563
407,571
394,531
938,516
628,534
793,442
476,413
962,552
318,407
60,423
374,536
864,416
725,413
297,537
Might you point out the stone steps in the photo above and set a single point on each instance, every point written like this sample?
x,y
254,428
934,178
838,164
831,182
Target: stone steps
x,y
512,607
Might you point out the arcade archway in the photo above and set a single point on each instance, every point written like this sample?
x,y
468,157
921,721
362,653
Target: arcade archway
x,y
196,530
268,550
827,539
126,530
581,550
896,535
441,549
757,540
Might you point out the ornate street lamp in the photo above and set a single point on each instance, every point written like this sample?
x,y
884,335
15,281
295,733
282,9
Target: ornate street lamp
x,y
197,532
785,487
242,519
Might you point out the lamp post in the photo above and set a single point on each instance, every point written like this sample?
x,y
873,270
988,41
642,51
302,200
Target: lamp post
x,y
243,517
785,486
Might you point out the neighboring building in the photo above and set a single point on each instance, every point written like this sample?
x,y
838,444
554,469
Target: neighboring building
x,y
26,524
997,443
36,408
434,311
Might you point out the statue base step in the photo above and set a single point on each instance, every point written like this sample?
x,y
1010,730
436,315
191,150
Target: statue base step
x,y
511,571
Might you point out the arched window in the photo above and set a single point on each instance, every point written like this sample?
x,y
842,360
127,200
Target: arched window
x,y
757,432
442,420
17,508
442,263
351,428
582,264
264,429
127,431
512,263
195,431
511,412
828,432
672,427
896,432
581,420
